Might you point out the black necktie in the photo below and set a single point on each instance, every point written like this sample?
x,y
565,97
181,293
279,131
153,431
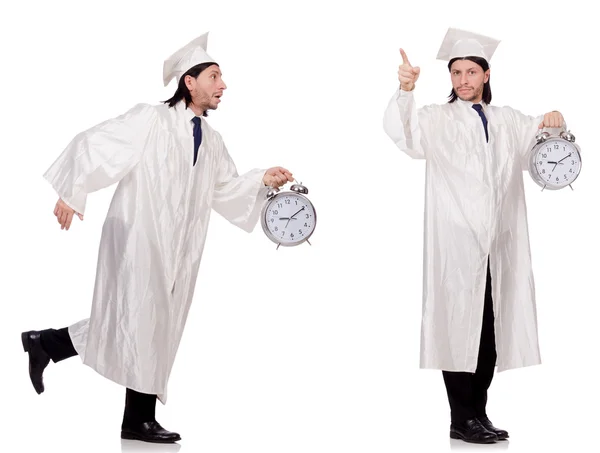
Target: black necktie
x,y
197,136
479,110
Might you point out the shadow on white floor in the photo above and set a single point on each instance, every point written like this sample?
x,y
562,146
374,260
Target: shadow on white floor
x,y
134,446
459,445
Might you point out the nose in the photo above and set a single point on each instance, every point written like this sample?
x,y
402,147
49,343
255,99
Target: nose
x,y
223,86
463,79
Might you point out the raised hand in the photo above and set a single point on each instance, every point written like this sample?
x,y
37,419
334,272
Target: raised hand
x,y
407,74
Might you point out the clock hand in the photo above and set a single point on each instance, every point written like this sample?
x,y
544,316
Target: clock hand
x,y
301,209
292,216
569,155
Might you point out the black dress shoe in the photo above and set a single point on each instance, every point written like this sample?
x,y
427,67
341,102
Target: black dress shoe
x,y
472,431
38,359
149,432
502,435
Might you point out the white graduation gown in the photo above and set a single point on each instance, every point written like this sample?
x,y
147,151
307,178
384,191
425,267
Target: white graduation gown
x,y
474,208
153,235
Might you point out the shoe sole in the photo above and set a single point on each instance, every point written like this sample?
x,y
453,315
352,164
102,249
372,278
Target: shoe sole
x,y
132,436
454,435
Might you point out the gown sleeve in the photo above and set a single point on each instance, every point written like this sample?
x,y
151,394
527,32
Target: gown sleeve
x,y
238,198
407,126
526,127
101,156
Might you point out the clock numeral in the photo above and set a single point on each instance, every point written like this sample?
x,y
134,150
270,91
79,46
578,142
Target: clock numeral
x,y
296,202
292,235
275,212
557,179
287,201
565,176
272,220
544,155
543,170
276,229
556,146
279,205
541,162
572,162
570,170
306,225
307,216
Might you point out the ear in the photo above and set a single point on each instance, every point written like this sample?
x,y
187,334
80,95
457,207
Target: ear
x,y
487,76
188,82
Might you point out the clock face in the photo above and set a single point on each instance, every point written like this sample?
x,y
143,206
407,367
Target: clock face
x,y
290,218
557,162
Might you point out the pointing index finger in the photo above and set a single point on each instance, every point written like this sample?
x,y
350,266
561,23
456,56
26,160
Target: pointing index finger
x,y
404,57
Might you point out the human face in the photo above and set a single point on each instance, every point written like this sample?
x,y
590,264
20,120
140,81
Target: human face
x,y
207,88
468,79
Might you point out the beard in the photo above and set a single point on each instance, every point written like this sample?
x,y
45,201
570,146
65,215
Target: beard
x,y
470,95
202,100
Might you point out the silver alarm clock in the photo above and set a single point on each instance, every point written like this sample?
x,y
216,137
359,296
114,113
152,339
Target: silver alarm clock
x,y
288,218
555,160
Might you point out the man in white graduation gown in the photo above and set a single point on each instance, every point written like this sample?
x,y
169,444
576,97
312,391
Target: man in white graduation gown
x,y
172,169
479,308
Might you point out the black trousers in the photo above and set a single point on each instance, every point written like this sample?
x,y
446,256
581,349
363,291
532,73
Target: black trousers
x,y
467,392
139,407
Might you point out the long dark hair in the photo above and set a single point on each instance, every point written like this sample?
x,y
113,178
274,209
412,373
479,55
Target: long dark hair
x,y
182,91
487,90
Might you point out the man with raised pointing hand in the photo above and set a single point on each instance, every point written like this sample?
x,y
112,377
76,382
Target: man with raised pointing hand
x,y
479,308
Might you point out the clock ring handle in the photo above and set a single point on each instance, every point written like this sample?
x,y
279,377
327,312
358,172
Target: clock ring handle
x,y
297,187
543,135
564,133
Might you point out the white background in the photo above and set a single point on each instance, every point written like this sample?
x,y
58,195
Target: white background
x,y
311,348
